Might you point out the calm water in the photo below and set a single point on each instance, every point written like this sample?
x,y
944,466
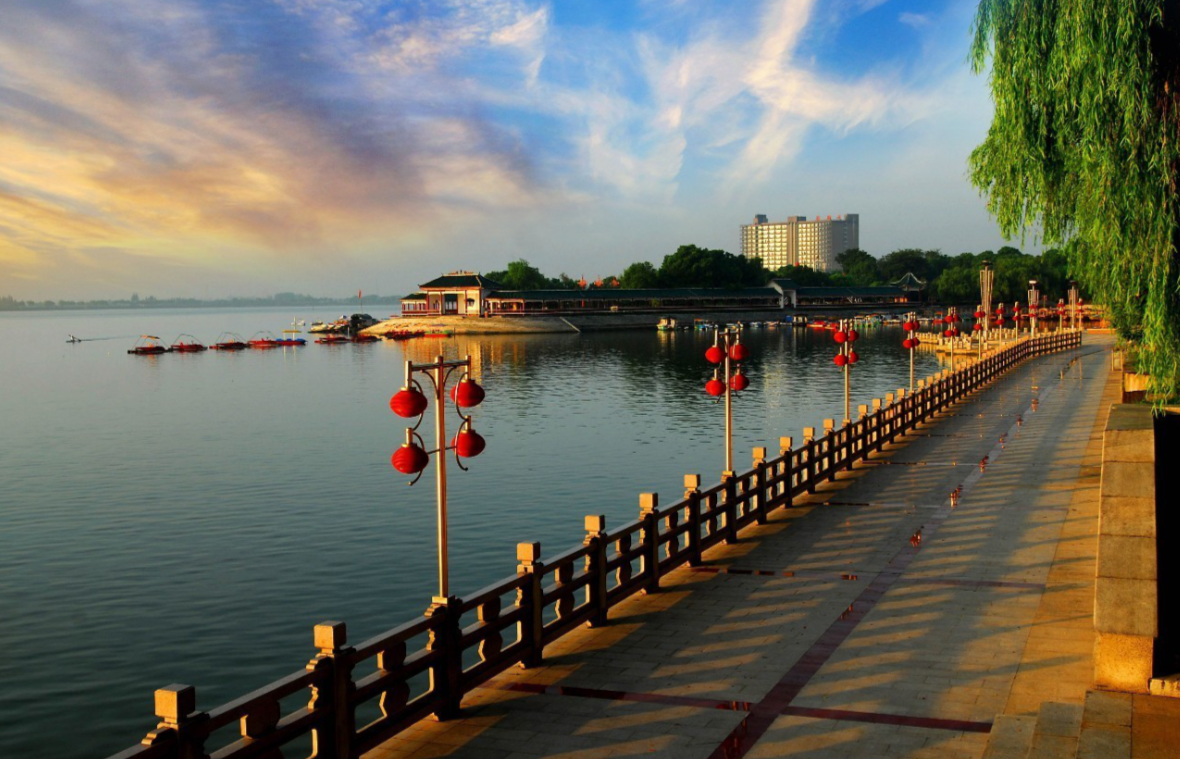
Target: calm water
x,y
188,518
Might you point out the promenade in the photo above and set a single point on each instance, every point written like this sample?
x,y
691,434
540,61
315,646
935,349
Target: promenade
x,y
879,617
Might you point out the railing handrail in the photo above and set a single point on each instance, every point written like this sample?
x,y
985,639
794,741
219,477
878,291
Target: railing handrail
x,y
662,539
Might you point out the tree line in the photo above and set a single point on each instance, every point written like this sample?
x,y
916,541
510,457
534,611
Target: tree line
x,y
949,279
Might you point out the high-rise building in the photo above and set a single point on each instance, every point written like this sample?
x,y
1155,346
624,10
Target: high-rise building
x,y
800,242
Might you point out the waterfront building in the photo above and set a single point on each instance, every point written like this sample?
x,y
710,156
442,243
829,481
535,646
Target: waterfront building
x,y
800,242
459,293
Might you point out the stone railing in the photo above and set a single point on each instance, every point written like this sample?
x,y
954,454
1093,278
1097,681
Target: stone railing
x,y
426,666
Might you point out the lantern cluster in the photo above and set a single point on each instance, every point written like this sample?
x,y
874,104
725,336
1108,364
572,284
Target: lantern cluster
x,y
717,354
845,338
410,402
980,317
1000,315
951,320
911,341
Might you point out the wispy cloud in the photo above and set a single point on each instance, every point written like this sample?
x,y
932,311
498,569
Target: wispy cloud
x,y
916,20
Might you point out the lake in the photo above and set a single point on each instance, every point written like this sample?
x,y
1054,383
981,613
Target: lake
x,y
188,518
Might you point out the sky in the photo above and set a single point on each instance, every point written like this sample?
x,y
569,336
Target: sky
x,y
205,148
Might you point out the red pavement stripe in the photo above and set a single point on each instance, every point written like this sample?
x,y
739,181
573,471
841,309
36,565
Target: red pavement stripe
x,y
876,718
972,583
619,695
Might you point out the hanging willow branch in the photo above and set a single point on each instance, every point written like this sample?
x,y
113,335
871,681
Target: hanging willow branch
x,y
1085,140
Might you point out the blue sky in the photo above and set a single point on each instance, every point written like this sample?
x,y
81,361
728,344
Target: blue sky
x,y
185,147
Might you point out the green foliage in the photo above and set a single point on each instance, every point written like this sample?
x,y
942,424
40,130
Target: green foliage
x,y
1084,142
804,276
691,266
860,267
640,275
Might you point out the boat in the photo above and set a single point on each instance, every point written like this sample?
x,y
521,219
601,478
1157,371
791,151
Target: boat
x,y
148,345
291,340
330,339
365,339
403,334
264,339
73,340
229,341
666,325
187,344
297,322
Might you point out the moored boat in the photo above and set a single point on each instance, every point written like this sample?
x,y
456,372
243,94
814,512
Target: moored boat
x,y
365,339
284,340
229,341
330,339
148,345
187,344
264,339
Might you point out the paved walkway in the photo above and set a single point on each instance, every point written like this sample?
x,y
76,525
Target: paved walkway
x,y
887,619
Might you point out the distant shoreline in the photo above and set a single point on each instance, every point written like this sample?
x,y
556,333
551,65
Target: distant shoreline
x,y
376,304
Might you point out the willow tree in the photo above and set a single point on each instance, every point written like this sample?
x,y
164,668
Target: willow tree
x,y
1085,142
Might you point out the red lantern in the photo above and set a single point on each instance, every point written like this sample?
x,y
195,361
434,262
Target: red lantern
x,y
978,327
853,336
980,314
852,357
468,443
839,336
916,342
409,459
715,387
467,393
946,333
907,343
739,382
715,355
840,359
739,352
999,320
408,402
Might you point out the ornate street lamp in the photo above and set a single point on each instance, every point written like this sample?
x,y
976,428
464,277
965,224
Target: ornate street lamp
x,y
911,342
412,457
980,327
728,353
1074,303
1060,314
845,336
952,320
1034,302
987,279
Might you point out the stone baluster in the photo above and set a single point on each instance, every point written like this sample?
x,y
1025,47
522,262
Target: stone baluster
x,y
596,593
334,662
650,538
528,599
692,507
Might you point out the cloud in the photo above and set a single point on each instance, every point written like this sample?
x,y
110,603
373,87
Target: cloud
x,y
916,20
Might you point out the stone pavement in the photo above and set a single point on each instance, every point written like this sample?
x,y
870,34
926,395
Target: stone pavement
x,y
887,619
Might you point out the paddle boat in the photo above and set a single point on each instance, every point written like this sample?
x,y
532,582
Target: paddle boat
x,y
229,341
332,340
284,340
187,344
148,345
264,339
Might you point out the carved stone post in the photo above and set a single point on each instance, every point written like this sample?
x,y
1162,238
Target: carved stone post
x,y
760,485
784,449
729,481
596,569
447,668
862,437
528,599
180,722
830,457
809,445
334,660
692,497
650,538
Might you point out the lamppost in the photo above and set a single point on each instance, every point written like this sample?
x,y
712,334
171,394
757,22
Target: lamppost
x,y
911,342
1073,304
728,352
952,320
1034,302
987,279
412,457
980,327
1060,314
845,336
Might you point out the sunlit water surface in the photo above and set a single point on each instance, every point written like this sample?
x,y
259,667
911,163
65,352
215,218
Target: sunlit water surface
x,y
188,518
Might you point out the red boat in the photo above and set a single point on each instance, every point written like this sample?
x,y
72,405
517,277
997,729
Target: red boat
x,y
291,340
332,340
148,345
264,339
365,339
187,344
229,341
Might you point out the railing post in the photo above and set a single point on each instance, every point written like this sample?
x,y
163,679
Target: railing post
x,y
829,455
760,484
862,438
650,537
692,498
180,722
531,626
447,668
788,456
810,446
878,424
596,569
335,660
729,481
